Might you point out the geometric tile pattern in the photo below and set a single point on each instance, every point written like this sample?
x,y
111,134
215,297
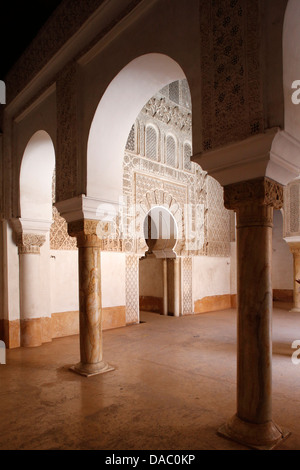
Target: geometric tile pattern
x,y
186,285
132,288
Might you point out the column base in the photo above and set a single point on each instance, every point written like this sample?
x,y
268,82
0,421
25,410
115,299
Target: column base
x,y
295,309
265,436
91,369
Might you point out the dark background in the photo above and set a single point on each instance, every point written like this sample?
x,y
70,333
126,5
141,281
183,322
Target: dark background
x,y
20,23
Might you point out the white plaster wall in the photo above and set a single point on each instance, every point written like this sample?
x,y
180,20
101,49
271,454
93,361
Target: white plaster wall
x,y
45,279
233,270
211,276
151,277
282,260
64,280
12,277
113,279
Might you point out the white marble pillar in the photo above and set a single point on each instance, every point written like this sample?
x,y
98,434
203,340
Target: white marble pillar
x,y
90,307
253,202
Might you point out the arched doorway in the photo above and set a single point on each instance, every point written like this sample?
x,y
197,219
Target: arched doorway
x,y
117,110
159,280
32,231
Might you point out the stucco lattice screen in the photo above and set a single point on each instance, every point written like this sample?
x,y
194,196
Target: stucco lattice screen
x,y
171,151
185,95
291,204
132,288
130,144
187,283
218,221
233,69
59,237
294,208
187,153
151,143
174,92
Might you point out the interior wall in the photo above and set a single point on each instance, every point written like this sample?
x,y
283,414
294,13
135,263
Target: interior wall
x,y
64,280
151,284
211,283
12,276
151,277
113,279
9,288
282,260
211,276
45,279
233,273
64,291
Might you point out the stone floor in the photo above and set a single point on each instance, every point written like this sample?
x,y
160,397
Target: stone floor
x,y
172,387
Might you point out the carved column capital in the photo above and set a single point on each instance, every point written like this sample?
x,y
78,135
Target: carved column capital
x,y
89,233
29,243
294,248
259,191
30,234
254,201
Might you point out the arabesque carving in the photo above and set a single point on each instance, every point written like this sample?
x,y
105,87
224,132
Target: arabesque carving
x,y
29,243
259,191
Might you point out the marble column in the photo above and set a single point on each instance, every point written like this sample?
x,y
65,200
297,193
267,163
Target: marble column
x,y
165,286
176,287
295,250
253,201
90,308
31,326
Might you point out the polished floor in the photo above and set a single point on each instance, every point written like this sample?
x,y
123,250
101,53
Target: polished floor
x,y
172,387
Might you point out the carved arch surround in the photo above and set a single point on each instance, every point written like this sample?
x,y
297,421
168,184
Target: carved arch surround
x,y
160,198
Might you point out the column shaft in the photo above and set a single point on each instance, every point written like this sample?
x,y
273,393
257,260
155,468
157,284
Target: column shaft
x,y
254,374
176,287
165,287
253,202
90,306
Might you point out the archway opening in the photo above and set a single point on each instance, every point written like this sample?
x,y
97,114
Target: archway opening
x,y
118,108
33,240
158,276
112,132
160,232
36,174
282,262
